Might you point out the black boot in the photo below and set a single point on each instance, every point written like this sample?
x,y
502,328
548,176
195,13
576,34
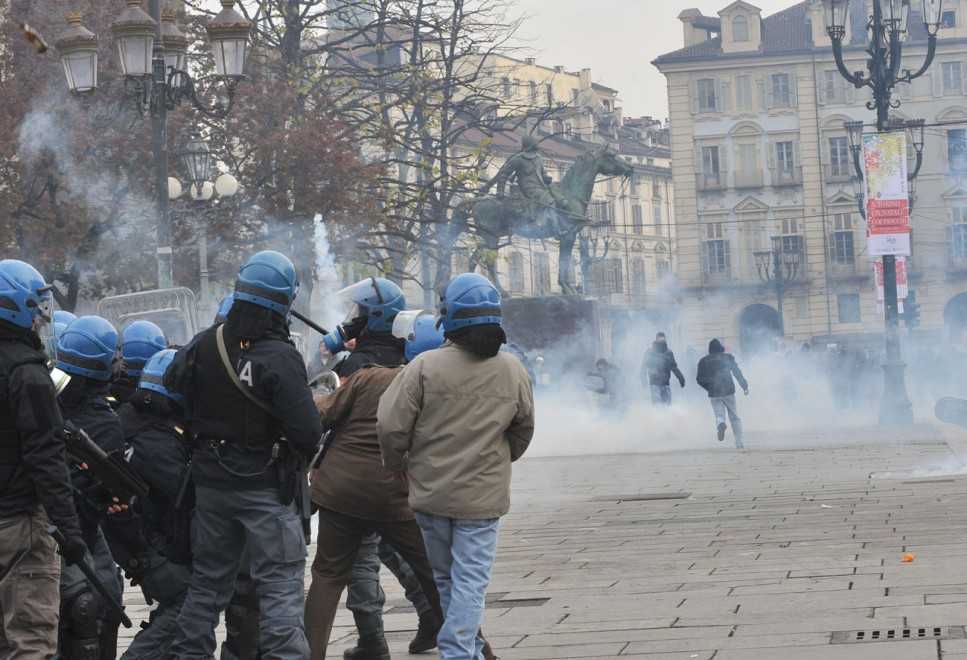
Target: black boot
x,y
425,639
368,649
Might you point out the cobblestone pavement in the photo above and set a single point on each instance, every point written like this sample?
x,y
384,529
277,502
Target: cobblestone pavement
x,y
727,555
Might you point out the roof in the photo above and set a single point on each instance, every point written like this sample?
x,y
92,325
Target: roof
x,y
788,31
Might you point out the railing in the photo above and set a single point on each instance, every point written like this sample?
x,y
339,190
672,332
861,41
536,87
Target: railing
x,y
787,176
745,180
838,173
707,181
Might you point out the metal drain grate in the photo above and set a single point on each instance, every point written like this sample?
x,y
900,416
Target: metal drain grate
x,y
898,634
642,497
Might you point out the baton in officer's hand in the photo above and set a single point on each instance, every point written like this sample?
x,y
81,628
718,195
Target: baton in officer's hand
x,y
88,572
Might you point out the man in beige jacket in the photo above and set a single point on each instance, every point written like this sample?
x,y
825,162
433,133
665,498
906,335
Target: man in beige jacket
x,y
454,420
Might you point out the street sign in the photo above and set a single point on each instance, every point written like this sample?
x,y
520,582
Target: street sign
x,y
887,194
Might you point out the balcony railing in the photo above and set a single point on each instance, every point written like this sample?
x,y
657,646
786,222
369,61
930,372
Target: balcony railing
x,y
838,172
786,176
706,181
745,180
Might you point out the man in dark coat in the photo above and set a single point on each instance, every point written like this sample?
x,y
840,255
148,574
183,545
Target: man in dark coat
x,y
656,371
715,372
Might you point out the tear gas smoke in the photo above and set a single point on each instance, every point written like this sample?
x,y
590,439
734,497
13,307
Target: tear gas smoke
x,y
327,278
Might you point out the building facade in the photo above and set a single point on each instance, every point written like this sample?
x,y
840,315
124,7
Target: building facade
x,y
760,150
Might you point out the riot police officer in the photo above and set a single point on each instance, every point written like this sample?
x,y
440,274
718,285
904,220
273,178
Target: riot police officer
x,y
139,341
373,306
157,450
254,423
34,485
87,350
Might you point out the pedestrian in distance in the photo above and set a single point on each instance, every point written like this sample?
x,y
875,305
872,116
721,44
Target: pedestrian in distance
x,y
454,420
35,488
657,369
254,425
358,497
715,374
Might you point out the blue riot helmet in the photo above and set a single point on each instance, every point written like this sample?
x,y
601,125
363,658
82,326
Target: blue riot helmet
x,y
420,330
140,341
268,279
470,299
25,298
224,307
62,319
88,347
153,374
372,304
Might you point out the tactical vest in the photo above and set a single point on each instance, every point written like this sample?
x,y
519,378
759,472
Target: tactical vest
x,y
13,354
219,410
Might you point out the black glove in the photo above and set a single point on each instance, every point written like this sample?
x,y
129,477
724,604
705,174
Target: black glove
x,y
354,328
682,382
74,550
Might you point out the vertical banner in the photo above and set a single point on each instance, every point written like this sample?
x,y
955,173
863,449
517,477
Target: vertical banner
x,y
902,287
887,194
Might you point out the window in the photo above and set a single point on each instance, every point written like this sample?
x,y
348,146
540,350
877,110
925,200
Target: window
x,y
516,271
833,87
952,78
948,19
843,252
710,164
662,268
792,241
958,233
638,276
505,88
533,92
747,171
785,156
637,220
781,90
542,274
717,258
839,159
743,93
575,94
607,277
602,213
656,213
549,93
656,187
740,29
708,95
849,307
957,149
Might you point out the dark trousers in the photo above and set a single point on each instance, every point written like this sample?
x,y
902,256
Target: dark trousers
x,y
166,584
340,537
227,524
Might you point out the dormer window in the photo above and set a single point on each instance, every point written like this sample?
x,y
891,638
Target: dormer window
x,y
740,28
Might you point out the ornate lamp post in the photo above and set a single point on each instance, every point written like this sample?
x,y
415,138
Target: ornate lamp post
x,y
887,28
779,267
153,53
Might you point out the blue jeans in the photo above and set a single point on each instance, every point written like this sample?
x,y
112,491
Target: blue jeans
x,y
461,553
661,394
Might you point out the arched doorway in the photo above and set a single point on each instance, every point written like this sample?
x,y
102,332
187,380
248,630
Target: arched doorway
x,y
955,318
758,329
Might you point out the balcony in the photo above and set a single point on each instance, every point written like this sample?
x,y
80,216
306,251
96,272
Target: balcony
x,y
838,172
747,180
709,181
785,177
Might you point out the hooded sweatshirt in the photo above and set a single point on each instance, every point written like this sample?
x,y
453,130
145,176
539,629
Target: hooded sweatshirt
x,y
659,365
715,371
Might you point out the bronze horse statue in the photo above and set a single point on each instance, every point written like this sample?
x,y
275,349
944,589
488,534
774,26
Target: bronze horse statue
x,y
494,218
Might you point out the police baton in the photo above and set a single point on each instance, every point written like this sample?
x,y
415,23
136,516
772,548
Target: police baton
x,y
312,324
88,572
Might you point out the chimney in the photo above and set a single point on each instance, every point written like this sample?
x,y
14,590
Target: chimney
x,y
559,69
530,60
692,34
585,78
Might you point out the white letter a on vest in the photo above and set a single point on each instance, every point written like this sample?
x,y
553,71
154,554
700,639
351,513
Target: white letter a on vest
x,y
246,375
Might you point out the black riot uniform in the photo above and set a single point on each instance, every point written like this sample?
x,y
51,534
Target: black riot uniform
x,y
34,488
86,624
244,477
158,451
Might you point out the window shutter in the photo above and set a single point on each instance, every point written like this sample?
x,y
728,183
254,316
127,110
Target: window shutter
x,y
794,90
850,93
770,95
821,89
699,162
950,242
725,96
795,154
937,80
760,83
772,161
723,160
695,106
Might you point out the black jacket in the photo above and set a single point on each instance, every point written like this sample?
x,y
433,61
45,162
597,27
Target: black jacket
x,y
33,466
715,372
659,365
219,415
380,348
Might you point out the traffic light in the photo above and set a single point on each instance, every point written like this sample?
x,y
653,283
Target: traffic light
x,y
911,311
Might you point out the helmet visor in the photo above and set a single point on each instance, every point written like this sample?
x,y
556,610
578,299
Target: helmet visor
x,y
347,300
404,323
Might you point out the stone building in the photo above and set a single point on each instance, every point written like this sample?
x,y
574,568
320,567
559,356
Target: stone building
x,y
759,149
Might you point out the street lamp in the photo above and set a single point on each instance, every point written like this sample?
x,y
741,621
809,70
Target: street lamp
x,y
887,29
153,55
779,266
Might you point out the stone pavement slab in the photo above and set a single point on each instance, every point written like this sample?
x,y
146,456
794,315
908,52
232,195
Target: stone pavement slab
x,y
771,552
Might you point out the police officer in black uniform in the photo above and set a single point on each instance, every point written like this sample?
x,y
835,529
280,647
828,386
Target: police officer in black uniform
x,y
34,485
88,350
157,450
254,423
